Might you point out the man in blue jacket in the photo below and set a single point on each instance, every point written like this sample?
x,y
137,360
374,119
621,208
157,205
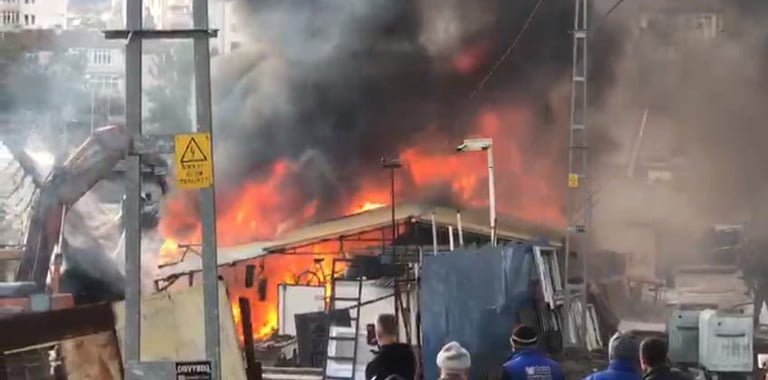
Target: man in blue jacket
x,y
624,356
527,362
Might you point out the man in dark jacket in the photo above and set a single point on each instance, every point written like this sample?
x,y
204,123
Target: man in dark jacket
x,y
653,358
623,352
527,362
393,358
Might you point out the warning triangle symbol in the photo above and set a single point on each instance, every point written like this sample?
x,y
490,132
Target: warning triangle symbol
x,y
193,153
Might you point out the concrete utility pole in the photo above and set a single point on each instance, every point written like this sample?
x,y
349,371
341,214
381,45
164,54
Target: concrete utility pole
x,y
135,34
579,207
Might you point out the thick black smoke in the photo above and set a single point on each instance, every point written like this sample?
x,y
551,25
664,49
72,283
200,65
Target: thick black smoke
x,y
339,84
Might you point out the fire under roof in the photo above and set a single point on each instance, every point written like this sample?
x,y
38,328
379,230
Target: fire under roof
x,y
473,221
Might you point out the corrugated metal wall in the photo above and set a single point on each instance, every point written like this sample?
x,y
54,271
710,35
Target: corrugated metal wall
x,y
475,297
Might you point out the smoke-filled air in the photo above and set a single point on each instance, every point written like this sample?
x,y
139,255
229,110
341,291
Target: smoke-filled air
x,y
304,112
691,105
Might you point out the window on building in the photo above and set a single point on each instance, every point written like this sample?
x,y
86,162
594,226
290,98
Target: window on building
x,y
234,46
26,19
706,25
101,57
32,19
9,17
180,9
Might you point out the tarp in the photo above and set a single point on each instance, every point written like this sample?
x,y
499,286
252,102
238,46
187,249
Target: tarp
x,y
474,297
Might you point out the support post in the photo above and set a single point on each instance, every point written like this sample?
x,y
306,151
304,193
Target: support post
x,y
492,195
458,227
208,194
131,205
250,354
579,201
434,234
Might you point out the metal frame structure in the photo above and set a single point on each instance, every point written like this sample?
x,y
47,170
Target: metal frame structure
x,y
579,203
135,34
485,144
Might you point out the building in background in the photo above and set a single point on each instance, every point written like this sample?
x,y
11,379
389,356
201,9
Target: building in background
x,y
224,15
33,14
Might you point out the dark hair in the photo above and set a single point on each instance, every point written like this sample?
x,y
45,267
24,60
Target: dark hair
x,y
524,336
653,352
387,324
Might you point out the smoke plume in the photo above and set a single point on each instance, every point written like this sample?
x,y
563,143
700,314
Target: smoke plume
x,y
333,86
703,85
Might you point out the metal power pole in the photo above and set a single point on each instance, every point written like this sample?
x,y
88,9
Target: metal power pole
x,y
132,206
207,195
135,34
579,207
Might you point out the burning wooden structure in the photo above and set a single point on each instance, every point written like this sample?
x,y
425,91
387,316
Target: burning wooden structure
x,y
304,256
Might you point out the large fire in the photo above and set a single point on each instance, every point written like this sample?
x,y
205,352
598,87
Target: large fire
x,y
262,208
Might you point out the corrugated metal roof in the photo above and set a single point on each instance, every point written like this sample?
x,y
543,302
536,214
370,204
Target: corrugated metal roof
x,y
474,221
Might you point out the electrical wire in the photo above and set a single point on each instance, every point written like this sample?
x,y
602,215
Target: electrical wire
x,y
613,8
511,47
606,14
519,35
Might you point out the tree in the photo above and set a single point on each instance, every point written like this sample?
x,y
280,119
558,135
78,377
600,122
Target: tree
x,y
55,86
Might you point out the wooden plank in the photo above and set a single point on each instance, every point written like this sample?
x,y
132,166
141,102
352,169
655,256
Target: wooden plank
x,y
29,329
251,372
93,357
10,254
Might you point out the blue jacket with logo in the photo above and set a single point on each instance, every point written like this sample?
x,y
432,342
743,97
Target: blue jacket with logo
x,y
530,364
618,369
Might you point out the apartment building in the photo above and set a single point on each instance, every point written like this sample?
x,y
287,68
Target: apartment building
x,y
33,14
224,15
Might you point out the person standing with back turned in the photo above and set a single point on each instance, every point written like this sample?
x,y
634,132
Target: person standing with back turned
x,y
624,355
454,362
527,362
653,358
394,358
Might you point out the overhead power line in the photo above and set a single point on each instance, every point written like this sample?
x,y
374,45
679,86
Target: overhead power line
x,y
511,47
608,13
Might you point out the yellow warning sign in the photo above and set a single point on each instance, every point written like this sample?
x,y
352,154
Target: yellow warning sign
x,y
194,168
573,180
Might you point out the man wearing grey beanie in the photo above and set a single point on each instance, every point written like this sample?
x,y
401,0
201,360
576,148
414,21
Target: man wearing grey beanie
x,y
624,355
454,362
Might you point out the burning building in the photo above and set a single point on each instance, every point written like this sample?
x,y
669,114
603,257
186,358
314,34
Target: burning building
x,y
305,110
305,255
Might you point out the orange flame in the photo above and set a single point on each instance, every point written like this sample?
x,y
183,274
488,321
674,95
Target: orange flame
x,y
265,206
367,206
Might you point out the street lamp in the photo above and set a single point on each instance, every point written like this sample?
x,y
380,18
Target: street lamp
x,y
485,144
392,164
